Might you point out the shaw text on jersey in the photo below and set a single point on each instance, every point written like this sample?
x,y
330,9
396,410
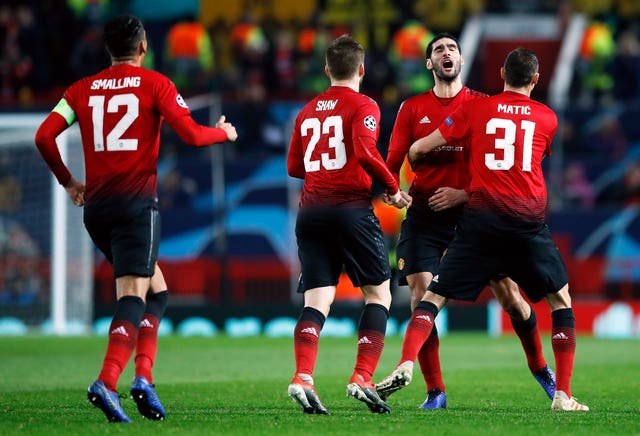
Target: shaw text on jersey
x,y
123,82
326,105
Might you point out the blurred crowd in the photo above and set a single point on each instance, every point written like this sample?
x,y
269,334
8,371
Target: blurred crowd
x,y
256,52
263,49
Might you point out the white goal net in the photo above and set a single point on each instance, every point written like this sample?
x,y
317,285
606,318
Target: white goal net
x,y
46,255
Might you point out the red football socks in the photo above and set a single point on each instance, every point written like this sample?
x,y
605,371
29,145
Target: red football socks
x,y
305,345
147,346
122,341
370,345
418,330
529,336
371,329
563,343
429,359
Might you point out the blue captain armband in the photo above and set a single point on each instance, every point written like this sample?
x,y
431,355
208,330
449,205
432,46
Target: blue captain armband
x,y
65,111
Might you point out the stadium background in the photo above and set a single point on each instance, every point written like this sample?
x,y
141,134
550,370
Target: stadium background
x,y
228,257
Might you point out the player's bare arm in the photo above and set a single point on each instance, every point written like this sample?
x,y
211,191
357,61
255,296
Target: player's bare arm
x,y
422,146
446,198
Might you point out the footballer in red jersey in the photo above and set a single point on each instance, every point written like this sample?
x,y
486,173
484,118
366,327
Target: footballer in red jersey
x,y
441,178
333,148
439,192
502,229
511,135
447,165
119,111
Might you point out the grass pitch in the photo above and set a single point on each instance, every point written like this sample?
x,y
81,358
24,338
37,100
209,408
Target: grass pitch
x,y
234,386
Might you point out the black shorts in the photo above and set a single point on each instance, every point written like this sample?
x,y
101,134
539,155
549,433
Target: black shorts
x,y
480,251
424,236
127,231
330,239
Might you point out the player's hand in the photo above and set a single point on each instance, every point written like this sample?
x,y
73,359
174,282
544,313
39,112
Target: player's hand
x,y
232,135
399,200
75,190
445,198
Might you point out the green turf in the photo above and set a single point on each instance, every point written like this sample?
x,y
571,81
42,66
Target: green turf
x,y
238,386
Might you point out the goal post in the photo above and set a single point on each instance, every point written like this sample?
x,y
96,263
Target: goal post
x,y
49,287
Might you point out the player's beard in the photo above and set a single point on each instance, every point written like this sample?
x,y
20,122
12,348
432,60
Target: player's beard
x,y
440,75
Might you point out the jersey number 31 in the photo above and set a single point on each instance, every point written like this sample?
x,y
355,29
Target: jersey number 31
x,y
506,143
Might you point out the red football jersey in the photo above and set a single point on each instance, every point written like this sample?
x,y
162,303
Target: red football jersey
x,y
120,111
333,147
509,136
446,165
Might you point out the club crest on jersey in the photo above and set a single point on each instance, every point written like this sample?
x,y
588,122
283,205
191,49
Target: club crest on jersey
x,y
370,123
181,102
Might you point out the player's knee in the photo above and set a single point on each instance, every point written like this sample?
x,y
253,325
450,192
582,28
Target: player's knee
x,y
508,295
510,308
381,298
513,304
416,297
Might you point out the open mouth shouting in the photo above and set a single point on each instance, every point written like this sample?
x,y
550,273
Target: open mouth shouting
x,y
448,66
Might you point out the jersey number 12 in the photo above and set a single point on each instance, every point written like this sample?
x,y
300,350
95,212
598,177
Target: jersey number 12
x,y
114,139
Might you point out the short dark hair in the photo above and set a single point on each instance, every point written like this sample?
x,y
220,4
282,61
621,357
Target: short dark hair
x,y
437,38
344,56
122,35
520,66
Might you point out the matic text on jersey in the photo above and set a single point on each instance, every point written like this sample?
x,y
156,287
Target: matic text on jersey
x,y
514,109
